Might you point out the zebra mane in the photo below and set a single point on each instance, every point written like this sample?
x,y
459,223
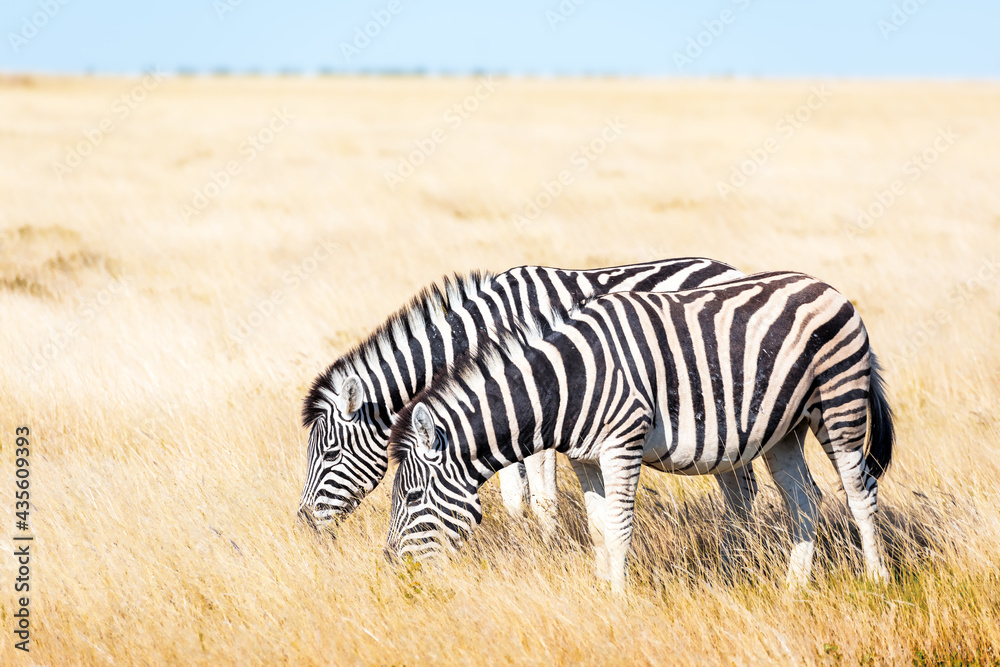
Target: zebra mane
x,y
432,304
472,369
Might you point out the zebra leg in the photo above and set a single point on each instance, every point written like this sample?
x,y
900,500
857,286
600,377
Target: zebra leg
x,y
513,487
541,469
845,447
787,465
592,483
739,488
620,465
862,497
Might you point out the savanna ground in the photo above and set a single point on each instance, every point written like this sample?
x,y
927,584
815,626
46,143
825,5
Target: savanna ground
x,y
159,355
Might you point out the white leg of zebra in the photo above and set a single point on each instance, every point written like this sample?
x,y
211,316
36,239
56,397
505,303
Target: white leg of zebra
x,y
548,488
541,474
845,447
862,498
620,467
787,465
739,488
513,488
592,483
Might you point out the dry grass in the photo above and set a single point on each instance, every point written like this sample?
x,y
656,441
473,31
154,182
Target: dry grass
x,y
167,455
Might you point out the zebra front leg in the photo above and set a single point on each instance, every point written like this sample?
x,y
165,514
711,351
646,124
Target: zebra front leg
x,y
541,473
513,487
787,465
592,483
620,466
739,488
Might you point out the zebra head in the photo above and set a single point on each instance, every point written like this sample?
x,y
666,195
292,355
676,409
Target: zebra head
x,y
346,457
434,506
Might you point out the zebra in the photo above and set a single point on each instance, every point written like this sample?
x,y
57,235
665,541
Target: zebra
x,y
693,382
351,405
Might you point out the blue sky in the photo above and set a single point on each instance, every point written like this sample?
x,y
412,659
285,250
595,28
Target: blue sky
x,y
771,38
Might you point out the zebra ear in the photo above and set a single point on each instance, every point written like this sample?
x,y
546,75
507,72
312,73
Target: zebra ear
x,y
423,427
351,395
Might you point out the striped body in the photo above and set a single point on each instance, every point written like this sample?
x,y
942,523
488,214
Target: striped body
x,y
694,382
351,405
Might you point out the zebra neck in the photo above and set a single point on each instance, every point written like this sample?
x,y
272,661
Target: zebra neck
x,y
401,365
504,416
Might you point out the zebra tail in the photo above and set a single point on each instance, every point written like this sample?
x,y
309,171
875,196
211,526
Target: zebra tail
x,y
881,433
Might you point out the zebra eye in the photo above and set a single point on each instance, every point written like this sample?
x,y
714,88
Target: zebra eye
x,y
413,496
331,456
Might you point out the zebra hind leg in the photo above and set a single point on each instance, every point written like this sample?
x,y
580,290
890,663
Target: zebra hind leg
x,y
842,435
541,473
787,464
513,488
739,488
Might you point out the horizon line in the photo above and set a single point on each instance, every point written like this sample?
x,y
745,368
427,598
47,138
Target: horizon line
x,y
416,73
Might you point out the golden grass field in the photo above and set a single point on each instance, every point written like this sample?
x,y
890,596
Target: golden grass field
x,y
167,456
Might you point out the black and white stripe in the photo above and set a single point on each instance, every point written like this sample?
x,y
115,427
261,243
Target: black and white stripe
x,y
696,382
351,405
